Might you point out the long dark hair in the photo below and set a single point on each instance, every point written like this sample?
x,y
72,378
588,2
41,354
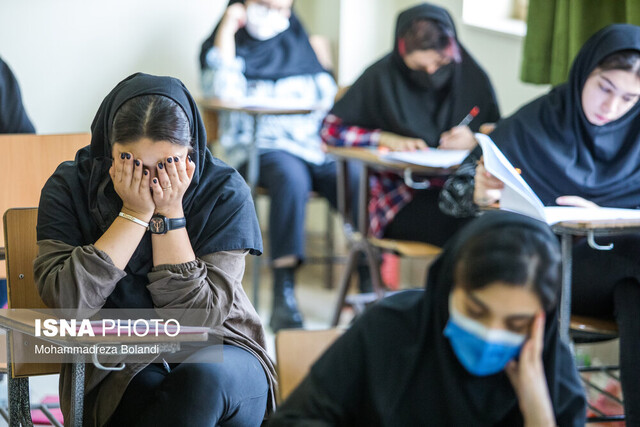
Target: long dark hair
x,y
151,116
512,255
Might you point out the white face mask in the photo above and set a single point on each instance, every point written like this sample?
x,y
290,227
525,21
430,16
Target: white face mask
x,y
264,23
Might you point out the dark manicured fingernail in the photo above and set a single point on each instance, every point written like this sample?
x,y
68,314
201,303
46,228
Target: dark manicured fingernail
x,y
122,156
137,162
176,159
169,160
155,181
160,165
190,159
128,156
146,172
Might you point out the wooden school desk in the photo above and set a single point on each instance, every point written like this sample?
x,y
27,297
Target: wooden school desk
x,y
210,108
358,234
591,229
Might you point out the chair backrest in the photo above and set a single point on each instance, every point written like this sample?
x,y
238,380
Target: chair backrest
x,y
21,249
29,160
296,352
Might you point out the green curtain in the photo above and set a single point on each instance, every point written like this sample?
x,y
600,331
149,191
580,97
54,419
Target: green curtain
x,y
556,29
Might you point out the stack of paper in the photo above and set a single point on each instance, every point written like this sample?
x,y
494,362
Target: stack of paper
x,y
431,157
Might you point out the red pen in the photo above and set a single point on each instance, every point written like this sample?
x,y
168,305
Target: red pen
x,y
472,114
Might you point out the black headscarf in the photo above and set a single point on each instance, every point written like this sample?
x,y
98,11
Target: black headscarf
x,y
285,55
407,371
561,153
13,117
78,203
385,97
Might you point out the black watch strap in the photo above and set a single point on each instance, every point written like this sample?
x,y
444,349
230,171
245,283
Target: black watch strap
x,y
175,223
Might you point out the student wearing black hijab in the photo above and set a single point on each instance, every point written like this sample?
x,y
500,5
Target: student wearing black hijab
x,y
478,347
579,145
260,49
410,99
13,117
145,217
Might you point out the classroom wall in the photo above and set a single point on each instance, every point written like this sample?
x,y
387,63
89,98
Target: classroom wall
x,y
68,54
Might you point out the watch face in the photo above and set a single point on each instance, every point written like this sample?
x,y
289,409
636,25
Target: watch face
x,y
156,225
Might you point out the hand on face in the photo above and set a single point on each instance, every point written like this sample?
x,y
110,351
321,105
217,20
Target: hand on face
x,y
131,182
487,188
235,17
528,379
149,181
172,180
458,138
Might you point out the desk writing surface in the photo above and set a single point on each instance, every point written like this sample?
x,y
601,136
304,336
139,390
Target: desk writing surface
x,y
432,157
373,157
600,225
238,106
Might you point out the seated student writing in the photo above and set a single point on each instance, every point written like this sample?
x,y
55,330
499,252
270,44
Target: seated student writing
x,y
579,145
260,49
148,159
479,347
410,99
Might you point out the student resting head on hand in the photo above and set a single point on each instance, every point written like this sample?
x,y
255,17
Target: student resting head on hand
x,y
480,346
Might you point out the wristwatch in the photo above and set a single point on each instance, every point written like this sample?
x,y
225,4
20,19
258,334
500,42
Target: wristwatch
x,y
160,224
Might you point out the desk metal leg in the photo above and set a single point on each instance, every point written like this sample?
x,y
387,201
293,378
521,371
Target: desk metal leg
x,y
352,259
18,391
19,405
253,172
565,297
255,279
77,391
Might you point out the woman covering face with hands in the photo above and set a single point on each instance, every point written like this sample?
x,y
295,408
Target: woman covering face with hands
x,y
151,177
145,217
478,347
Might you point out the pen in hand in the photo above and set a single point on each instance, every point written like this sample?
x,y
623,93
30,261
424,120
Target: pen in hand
x,y
460,137
472,114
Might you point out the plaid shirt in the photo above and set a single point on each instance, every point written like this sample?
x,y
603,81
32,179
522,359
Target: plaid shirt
x,y
388,192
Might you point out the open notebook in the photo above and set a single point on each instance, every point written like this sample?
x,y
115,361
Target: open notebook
x,y
517,196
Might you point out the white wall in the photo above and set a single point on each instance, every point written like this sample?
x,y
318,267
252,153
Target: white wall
x,y
68,54
321,17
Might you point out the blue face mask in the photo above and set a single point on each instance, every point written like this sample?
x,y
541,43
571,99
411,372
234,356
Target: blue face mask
x,y
481,350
